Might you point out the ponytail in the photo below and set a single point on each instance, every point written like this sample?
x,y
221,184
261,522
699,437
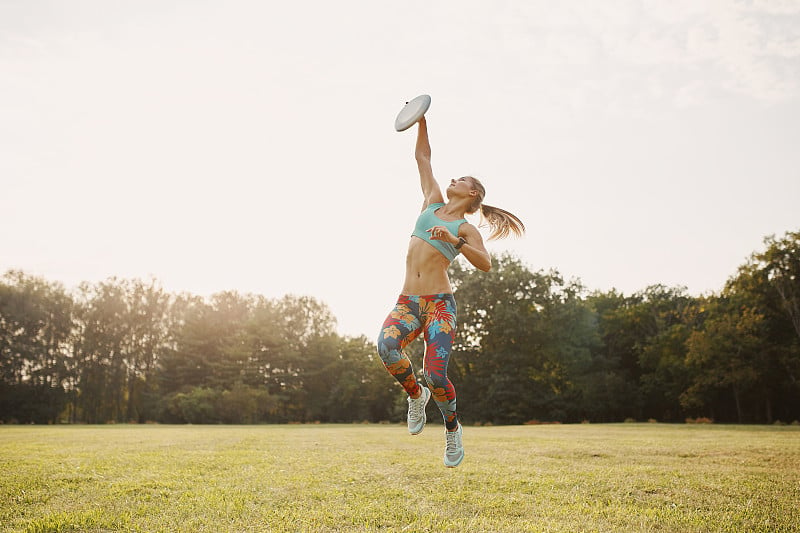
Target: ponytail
x,y
501,222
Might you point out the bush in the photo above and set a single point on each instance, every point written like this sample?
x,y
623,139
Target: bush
x,y
201,405
245,405
700,420
31,404
198,406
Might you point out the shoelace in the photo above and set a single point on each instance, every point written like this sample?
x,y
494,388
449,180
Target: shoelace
x,y
452,442
417,405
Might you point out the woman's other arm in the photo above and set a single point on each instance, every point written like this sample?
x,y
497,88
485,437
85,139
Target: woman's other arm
x,y
473,248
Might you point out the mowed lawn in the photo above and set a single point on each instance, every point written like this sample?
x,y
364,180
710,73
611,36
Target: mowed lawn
x,y
571,478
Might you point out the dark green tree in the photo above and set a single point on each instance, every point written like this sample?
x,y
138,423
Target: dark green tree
x,y
724,356
643,347
36,368
766,286
523,340
122,332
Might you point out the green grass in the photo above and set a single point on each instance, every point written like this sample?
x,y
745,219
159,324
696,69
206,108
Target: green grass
x,y
571,478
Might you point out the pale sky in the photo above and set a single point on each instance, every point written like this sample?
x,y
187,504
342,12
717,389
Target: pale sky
x,y
249,145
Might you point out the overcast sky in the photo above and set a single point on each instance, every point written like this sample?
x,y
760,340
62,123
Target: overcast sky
x,y
249,145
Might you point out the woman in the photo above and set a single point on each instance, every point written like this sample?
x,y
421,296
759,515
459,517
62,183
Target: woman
x,y
426,304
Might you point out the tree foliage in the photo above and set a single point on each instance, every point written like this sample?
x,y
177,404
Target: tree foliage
x,y
531,346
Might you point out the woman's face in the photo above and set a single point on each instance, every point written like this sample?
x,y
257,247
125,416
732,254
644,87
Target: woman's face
x,y
461,185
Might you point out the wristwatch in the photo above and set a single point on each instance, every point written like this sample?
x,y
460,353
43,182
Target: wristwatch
x,y
461,242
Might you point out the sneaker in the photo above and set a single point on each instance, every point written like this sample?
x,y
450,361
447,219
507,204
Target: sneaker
x,y
454,448
416,411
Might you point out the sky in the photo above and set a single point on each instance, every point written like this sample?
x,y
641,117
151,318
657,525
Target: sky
x,y
250,145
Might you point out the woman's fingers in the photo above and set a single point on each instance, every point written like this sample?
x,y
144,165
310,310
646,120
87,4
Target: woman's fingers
x,y
437,232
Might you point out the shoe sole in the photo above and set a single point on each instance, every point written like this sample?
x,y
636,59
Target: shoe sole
x,y
455,465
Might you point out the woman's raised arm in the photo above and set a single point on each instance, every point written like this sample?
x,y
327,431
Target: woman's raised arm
x,y
430,188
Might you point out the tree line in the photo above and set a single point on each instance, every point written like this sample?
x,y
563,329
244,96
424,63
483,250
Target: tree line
x,y
531,346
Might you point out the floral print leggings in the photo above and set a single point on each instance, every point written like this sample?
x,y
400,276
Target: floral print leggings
x,y
435,316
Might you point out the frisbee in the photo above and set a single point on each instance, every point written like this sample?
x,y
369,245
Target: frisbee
x,y
412,112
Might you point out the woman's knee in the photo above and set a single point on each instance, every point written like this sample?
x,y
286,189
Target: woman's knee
x,y
388,349
435,381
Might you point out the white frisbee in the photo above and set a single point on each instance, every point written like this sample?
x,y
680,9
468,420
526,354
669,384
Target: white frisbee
x,y
412,112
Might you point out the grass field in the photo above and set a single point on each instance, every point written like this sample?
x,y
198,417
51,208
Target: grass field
x,y
571,478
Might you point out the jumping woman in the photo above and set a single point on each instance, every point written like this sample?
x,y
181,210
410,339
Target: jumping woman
x,y
426,304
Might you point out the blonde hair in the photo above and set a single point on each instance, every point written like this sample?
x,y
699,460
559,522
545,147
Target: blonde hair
x,y
501,222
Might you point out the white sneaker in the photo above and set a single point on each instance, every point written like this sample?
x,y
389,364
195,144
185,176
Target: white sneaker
x,y
416,411
454,448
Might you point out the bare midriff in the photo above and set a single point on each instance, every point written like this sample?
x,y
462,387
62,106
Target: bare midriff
x,y
426,270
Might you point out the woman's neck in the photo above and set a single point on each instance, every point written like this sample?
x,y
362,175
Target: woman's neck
x,y
454,208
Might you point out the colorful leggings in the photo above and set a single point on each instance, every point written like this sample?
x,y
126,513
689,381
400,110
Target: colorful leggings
x,y
435,316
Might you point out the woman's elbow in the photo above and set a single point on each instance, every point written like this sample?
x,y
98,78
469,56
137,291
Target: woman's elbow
x,y
485,266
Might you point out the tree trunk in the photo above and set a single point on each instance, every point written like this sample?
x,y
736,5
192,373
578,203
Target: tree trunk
x,y
769,410
131,411
738,404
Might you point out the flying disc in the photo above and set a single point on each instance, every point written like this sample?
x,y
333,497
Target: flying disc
x,y
412,112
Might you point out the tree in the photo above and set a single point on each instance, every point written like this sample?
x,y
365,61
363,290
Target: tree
x,y
35,333
609,391
725,356
351,385
147,341
781,263
529,346
523,339
768,284
122,333
643,347
236,343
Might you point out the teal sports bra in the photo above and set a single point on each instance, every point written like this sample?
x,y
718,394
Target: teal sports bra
x,y
428,219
